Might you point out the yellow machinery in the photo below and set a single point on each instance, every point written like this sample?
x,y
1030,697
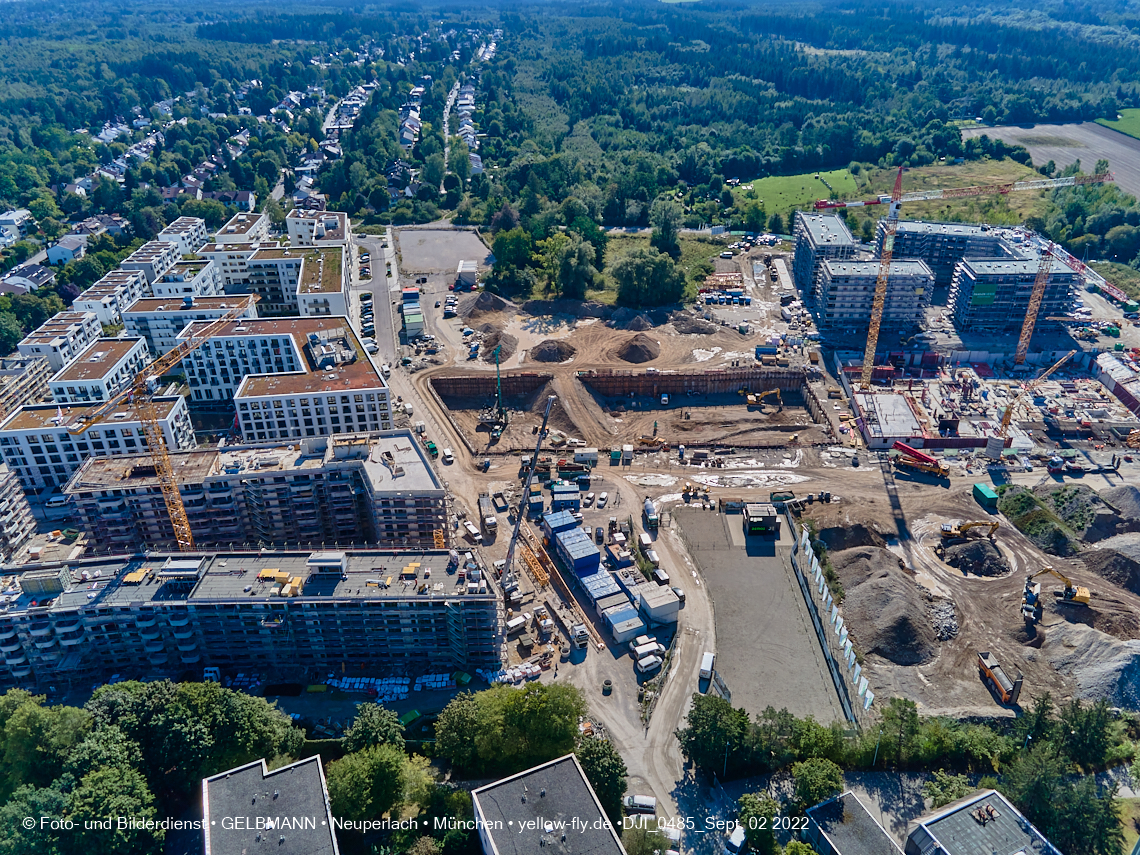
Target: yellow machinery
x,y
1007,416
756,400
952,532
139,396
1072,595
1134,439
650,440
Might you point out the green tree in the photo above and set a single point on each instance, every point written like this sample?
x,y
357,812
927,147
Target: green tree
x,y
665,217
373,725
643,839
104,748
944,788
511,248
455,731
424,846
591,232
10,332
114,792
539,721
433,170
575,272
210,210
366,784
1086,730
712,728
797,847
37,740
817,780
776,224
85,272
44,207
606,772
646,277
900,726
755,813
16,839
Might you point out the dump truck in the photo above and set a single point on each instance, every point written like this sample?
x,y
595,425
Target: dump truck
x,y
487,513
992,674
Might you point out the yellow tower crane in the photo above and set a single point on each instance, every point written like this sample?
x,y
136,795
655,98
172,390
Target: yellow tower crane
x,y
1007,416
140,396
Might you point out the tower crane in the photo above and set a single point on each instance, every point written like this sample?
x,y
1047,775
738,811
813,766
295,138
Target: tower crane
x,y
140,394
521,512
894,202
1007,416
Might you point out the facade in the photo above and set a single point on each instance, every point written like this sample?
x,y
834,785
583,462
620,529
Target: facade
x,y
243,228
232,261
819,237
196,277
38,447
844,291
375,489
17,525
188,233
61,338
943,245
273,275
299,792
99,373
19,221
323,286
318,228
108,297
993,294
67,248
301,612
160,320
23,380
982,822
152,259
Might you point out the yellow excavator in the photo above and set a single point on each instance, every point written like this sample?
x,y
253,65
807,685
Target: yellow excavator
x,y
1071,595
956,532
757,400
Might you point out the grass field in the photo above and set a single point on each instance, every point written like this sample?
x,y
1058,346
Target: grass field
x,y
694,252
1128,123
1120,275
783,193
1130,813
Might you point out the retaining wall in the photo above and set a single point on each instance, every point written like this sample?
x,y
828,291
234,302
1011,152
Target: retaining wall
x,y
476,385
622,384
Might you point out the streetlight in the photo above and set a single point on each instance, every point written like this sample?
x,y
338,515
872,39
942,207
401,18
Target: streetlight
x,y
727,745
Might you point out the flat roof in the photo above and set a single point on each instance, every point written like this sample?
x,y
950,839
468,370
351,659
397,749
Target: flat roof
x,y
982,824
1013,266
97,360
166,305
519,809
40,416
278,252
240,224
186,266
827,229
120,276
837,267
887,415
325,218
151,250
937,228
361,374
297,790
240,247
322,271
852,829
183,225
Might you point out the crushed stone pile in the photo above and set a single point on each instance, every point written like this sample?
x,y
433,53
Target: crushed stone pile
x,y
485,303
1125,499
850,536
552,350
687,324
1102,666
497,338
639,323
1114,566
944,619
855,566
979,557
641,348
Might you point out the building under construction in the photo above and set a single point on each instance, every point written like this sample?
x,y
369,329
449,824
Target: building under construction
x,y
844,291
993,293
23,380
819,237
349,489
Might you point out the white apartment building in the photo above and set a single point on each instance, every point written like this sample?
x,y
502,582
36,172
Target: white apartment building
x,y
318,228
100,372
17,525
153,259
244,228
232,260
159,319
189,278
19,221
108,297
291,378
845,291
189,233
273,274
61,338
323,286
38,447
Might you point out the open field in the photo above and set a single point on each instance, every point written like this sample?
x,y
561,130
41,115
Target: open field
x,y
1122,276
784,193
1065,143
439,251
694,253
1128,123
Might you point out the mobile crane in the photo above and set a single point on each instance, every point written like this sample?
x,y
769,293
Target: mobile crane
x,y
1072,595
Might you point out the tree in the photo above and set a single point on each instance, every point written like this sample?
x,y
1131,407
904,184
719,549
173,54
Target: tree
x,y
85,272
10,332
646,277
366,784
591,232
575,272
756,812
643,839
797,847
1086,732
272,208
665,218
210,210
539,721
511,248
37,740
455,730
817,780
505,219
712,727
606,773
900,726
433,171
114,792
945,788
374,725
776,224
17,839
424,846
726,198
104,748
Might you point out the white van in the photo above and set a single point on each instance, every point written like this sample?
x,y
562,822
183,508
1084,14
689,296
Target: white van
x,y
517,624
649,663
707,665
652,557
448,456
640,804
645,541
735,843
640,641
56,502
653,648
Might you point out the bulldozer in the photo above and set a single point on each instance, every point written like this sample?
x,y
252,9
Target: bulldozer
x,y
1071,595
955,533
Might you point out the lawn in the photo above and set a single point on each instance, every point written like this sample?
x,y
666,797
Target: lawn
x,y
694,251
1120,275
1130,814
1128,123
782,194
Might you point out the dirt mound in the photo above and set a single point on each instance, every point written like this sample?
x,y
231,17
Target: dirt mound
x,y
639,323
498,339
687,324
1082,510
1115,567
856,566
887,617
552,350
486,303
1102,666
641,348
979,557
1029,635
1126,499
850,536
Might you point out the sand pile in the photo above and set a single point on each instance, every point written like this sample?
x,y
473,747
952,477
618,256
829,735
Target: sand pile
x,y
979,557
687,324
552,350
485,303
1126,499
641,348
1102,666
497,338
1115,567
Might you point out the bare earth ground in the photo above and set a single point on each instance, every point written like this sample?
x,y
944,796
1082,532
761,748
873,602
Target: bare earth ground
x,y
1063,144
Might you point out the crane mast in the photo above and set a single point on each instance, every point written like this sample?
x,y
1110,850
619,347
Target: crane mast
x,y
526,487
1007,416
880,299
1035,298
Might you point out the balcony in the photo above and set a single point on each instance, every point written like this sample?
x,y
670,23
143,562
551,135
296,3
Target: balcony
x,y
190,658
145,622
187,646
13,661
178,620
40,630
71,641
150,634
11,645
159,658
183,634
22,672
7,632
154,646
45,644
68,627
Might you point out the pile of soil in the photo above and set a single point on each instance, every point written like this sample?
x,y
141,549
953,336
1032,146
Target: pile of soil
x,y
979,557
485,303
1125,499
856,566
1114,566
498,338
566,306
552,350
639,323
641,348
850,536
687,324
1082,510
1103,667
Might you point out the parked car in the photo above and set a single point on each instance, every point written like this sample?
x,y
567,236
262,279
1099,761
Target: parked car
x,y
366,297
588,500
640,804
437,304
600,534
364,256
372,348
602,499
680,594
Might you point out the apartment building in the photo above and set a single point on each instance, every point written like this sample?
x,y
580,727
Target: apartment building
x,y
197,277
108,297
159,320
37,445
993,293
102,371
188,233
305,613
943,245
17,525
19,222
355,489
232,260
819,237
61,338
323,287
318,228
845,291
152,259
273,274
243,228
23,380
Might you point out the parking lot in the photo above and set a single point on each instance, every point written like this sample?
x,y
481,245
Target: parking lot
x,y
439,250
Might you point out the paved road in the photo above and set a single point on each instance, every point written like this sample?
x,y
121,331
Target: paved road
x,y
451,96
